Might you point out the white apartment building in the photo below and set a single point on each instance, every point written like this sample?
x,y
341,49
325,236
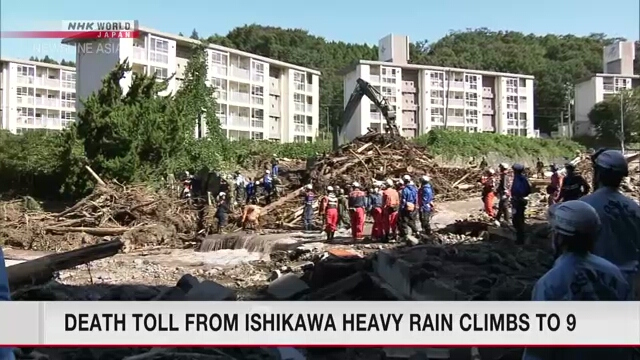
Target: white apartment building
x,y
428,97
258,97
618,76
35,95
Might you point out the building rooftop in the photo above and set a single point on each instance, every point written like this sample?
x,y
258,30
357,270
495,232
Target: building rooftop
x,y
37,63
589,77
184,39
428,67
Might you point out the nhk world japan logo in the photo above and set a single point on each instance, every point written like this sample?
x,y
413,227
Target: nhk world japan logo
x,y
82,29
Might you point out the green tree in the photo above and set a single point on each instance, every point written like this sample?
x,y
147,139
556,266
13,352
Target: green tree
x,y
606,118
194,35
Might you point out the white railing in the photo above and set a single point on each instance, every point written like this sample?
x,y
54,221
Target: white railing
x,y
222,118
48,82
437,83
239,97
140,53
374,78
257,123
221,94
455,119
257,77
26,120
456,84
48,102
299,107
240,73
25,100
217,69
66,123
309,129
375,116
437,101
69,85
309,108
298,128
456,102
26,79
608,87
300,86
257,100
68,104
240,121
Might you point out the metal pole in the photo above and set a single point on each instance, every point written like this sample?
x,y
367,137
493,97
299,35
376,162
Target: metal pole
x,y
622,121
561,124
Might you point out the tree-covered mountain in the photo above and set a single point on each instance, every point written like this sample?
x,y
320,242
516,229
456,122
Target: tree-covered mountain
x,y
47,60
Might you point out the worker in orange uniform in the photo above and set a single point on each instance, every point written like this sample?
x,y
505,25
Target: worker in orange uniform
x,y
555,184
357,205
390,206
251,217
488,182
375,209
329,209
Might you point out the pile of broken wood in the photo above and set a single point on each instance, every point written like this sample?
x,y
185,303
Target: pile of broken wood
x,y
372,157
140,216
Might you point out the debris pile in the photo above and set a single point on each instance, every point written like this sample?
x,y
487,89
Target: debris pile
x,y
140,216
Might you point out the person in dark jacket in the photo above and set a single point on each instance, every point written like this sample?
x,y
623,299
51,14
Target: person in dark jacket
x,y
502,192
309,198
275,165
574,186
425,204
539,169
357,205
520,190
251,191
343,210
222,212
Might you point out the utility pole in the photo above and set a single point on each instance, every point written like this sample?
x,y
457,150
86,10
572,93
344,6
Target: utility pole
x,y
561,128
622,121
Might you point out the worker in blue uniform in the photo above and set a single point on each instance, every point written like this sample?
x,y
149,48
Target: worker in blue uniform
x,y
408,208
578,275
425,203
5,295
267,184
619,239
520,190
308,200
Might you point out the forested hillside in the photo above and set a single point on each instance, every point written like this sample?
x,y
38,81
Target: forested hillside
x,y
555,60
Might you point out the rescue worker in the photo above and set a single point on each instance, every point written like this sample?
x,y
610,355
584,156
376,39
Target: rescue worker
x,y
425,204
619,239
267,184
555,184
578,275
222,212
375,210
251,216
574,186
308,199
357,202
488,183
408,208
483,163
539,169
5,295
343,210
241,184
250,190
520,191
390,207
275,165
502,192
329,209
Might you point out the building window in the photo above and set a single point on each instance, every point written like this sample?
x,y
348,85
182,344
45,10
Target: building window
x,y
512,86
159,50
523,116
471,99
218,64
299,138
471,116
299,102
512,131
257,95
472,81
522,83
26,70
388,75
159,72
512,102
66,115
255,135
299,81
257,118
257,70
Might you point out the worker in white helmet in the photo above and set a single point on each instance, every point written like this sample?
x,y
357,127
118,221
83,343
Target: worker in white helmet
x,y
357,206
309,198
375,210
267,185
502,192
619,240
329,211
578,275
425,204
390,207
488,195
408,208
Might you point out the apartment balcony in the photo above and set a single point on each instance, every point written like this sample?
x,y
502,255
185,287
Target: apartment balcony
x,y
608,88
222,118
455,119
374,79
217,70
410,107
309,129
257,100
408,86
48,82
140,53
488,111
66,123
25,100
47,102
309,108
221,94
27,80
487,93
240,73
456,102
299,107
69,104
375,116
456,84
257,123
298,128
437,84
239,97
238,121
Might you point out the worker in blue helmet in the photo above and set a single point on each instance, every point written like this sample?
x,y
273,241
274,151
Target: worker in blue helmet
x,y
520,190
578,275
619,240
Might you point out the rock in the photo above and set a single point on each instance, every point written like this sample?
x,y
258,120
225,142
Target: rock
x,y
187,282
210,290
171,294
287,287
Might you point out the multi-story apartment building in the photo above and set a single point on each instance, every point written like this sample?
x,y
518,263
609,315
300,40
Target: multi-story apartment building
x,y
35,95
428,97
618,76
258,97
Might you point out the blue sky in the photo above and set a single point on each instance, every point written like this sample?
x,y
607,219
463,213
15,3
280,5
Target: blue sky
x,y
351,21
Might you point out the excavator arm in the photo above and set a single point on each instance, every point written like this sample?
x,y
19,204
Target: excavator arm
x,y
362,89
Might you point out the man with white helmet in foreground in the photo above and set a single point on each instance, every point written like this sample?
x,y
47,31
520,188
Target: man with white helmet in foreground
x,y
578,275
619,240
357,205
309,198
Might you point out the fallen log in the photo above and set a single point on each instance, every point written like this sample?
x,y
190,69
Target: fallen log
x,y
87,230
41,270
